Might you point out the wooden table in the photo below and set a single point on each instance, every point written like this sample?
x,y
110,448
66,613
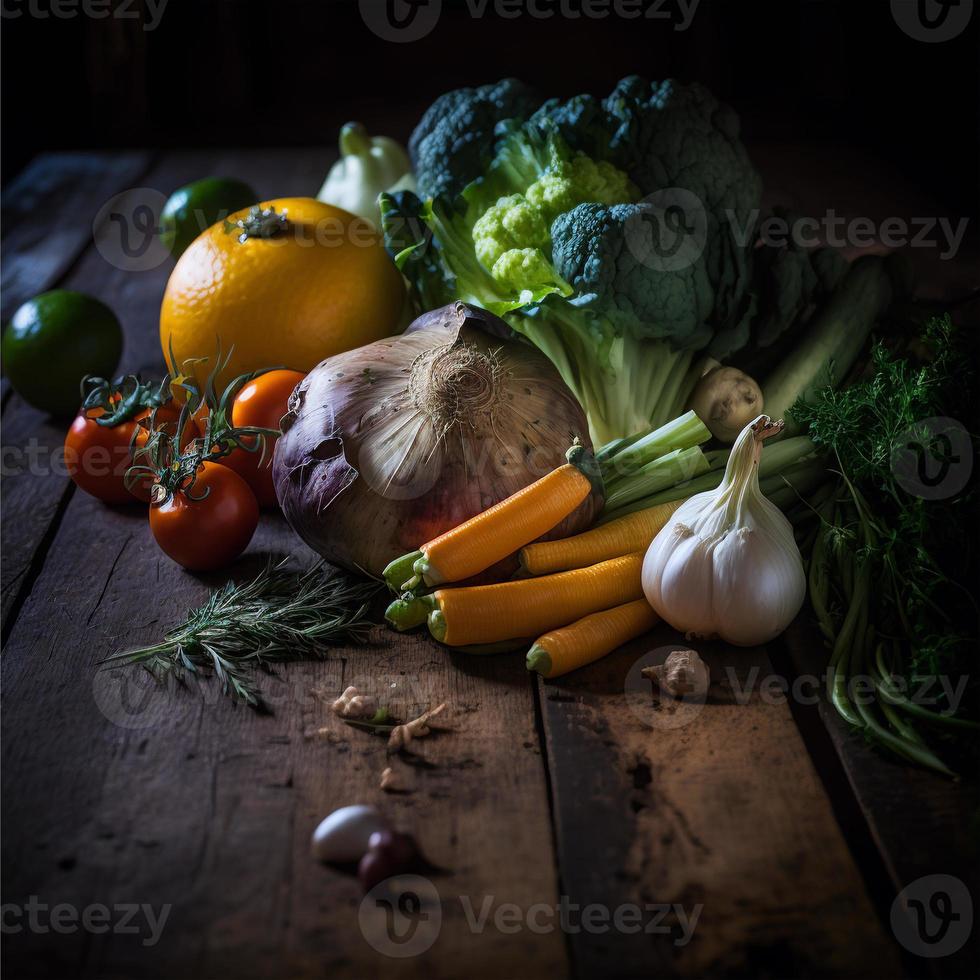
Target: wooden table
x,y
783,833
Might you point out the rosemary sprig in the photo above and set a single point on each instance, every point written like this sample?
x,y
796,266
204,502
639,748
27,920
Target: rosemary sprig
x,y
277,617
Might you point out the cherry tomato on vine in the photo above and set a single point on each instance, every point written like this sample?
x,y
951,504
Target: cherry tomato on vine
x,y
261,403
98,456
208,524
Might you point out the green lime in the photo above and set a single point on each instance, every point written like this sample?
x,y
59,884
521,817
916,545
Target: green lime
x,y
195,207
53,341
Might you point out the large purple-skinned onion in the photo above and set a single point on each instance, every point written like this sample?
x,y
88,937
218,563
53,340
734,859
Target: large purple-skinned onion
x,y
389,445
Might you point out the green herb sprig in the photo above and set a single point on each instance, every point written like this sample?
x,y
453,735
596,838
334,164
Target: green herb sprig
x,y
888,568
277,617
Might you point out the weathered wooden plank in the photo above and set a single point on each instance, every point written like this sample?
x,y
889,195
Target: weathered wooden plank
x,y
48,212
718,808
35,489
209,807
921,822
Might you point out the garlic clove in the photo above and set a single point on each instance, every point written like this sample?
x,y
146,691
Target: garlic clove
x,y
340,706
360,706
682,674
344,835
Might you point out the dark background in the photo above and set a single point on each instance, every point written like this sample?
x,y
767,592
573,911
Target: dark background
x,y
290,72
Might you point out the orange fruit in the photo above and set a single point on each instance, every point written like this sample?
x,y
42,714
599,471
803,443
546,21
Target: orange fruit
x,y
308,281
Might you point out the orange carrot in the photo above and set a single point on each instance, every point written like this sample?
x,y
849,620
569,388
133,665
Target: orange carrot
x,y
500,530
620,537
587,640
525,607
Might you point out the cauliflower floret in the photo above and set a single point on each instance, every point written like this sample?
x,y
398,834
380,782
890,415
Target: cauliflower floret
x,y
510,223
526,268
523,221
580,181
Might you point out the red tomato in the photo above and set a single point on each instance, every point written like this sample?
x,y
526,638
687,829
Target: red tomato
x,y
97,456
262,403
204,533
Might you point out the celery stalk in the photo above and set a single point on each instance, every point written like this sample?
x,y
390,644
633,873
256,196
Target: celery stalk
x,y
777,459
665,471
629,456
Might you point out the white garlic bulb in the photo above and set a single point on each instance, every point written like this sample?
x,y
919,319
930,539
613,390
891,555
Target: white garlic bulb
x,y
726,565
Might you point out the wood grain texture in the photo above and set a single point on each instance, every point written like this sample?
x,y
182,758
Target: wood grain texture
x,y
48,212
921,822
35,490
129,793
720,808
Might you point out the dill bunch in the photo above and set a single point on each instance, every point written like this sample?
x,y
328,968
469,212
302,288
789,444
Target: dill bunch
x,y
889,568
919,543
277,617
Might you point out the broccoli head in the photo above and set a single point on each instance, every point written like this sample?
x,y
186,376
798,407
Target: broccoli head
x,y
609,256
663,134
454,141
